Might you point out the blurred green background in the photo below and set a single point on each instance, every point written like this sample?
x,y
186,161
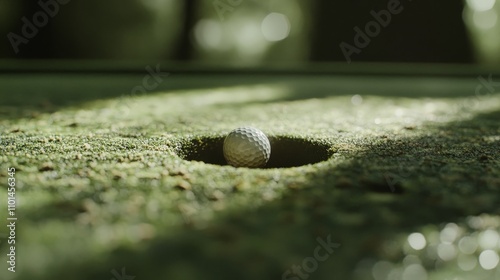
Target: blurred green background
x,y
250,32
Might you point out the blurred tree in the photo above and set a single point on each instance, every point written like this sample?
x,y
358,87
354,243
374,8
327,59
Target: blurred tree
x,y
184,46
116,29
481,18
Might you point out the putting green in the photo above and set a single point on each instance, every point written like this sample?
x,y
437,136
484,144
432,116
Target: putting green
x,y
109,180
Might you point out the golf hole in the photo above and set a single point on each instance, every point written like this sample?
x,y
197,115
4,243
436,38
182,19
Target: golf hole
x,y
285,151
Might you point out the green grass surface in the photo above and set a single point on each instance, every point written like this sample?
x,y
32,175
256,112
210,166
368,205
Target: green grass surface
x,y
103,184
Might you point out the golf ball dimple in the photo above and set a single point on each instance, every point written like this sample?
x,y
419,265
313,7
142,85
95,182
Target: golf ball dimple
x,y
247,147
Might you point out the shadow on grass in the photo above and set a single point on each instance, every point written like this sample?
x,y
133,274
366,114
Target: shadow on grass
x,y
448,174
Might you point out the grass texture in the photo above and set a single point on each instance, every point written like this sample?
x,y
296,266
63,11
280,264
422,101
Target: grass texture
x,y
112,181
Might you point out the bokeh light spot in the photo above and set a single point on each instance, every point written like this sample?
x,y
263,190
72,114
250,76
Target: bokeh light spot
x,y
467,245
275,27
475,222
381,270
449,233
485,20
208,34
248,38
356,99
467,262
411,259
414,272
417,240
489,259
488,239
481,5
446,251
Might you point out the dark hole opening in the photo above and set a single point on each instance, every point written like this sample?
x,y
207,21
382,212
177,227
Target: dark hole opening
x,y
285,151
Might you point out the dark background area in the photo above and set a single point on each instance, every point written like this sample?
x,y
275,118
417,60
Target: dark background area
x,y
424,31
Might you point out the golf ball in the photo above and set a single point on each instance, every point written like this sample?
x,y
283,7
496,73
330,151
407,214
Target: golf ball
x,y
247,147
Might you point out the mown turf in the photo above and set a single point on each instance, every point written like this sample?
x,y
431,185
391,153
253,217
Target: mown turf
x,y
103,182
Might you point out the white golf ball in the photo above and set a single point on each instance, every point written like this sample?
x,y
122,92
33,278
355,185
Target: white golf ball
x,y
247,147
